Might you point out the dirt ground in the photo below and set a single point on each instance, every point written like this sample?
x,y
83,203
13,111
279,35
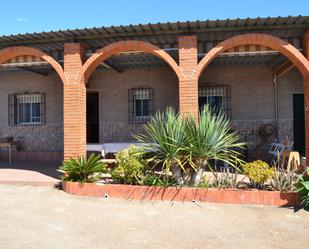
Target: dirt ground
x,y
43,217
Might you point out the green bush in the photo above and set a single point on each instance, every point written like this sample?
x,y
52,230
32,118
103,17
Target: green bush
x,y
204,183
302,188
258,172
152,179
129,166
82,169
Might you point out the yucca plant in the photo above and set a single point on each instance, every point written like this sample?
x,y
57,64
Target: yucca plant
x,y
82,169
165,138
302,188
208,139
184,145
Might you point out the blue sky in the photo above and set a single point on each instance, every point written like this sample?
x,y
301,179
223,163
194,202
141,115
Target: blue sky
x,y
42,15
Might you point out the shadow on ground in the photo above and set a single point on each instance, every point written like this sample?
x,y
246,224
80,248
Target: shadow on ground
x,y
45,168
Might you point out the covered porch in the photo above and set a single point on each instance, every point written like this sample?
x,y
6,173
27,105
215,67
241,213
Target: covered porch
x,y
104,87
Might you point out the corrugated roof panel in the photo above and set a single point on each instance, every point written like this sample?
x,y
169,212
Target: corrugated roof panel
x,y
157,32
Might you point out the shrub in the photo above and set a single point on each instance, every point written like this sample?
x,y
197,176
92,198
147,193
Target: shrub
x,y
204,183
258,172
129,166
283,180
82,169
225,179
302,188
152,179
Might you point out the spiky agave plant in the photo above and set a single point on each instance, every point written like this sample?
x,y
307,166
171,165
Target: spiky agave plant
x,y
82,169
210,138
165,138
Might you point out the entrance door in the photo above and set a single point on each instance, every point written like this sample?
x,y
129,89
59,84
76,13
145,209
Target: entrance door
x,y
92,117
299,123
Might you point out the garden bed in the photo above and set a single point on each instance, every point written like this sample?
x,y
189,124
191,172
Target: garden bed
x,y
135,192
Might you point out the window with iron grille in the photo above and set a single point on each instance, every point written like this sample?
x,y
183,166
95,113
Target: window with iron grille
x,y
218,97
27,109
140,105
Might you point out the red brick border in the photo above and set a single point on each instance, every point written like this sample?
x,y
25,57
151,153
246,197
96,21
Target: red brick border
x,y
233,196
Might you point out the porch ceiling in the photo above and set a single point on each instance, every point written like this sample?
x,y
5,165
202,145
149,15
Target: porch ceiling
x,y
124,62
164,35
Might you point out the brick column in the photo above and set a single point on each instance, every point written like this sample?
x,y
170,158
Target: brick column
x,y
74,103
306,94
188,84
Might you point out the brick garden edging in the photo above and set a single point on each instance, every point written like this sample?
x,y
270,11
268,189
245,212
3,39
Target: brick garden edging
x,y
130,192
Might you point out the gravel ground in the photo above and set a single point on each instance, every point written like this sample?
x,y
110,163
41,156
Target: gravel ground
x,y
42,217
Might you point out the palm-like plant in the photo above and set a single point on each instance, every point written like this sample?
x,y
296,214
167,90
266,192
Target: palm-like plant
x,y
184,145
165,138
83,169
210,138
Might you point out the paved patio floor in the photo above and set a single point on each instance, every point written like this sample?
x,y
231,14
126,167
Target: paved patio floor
x,y
33,173
44,217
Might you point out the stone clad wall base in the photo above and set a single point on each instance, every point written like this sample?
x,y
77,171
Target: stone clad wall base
x,y
152,193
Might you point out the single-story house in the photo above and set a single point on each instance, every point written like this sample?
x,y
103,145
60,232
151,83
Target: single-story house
x,y
61,90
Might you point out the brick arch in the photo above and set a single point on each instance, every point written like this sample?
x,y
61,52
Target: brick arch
x,y
275,43
12,52
124,46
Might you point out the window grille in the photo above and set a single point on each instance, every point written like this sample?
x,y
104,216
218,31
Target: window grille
x,y
140,105
218,97
26,109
